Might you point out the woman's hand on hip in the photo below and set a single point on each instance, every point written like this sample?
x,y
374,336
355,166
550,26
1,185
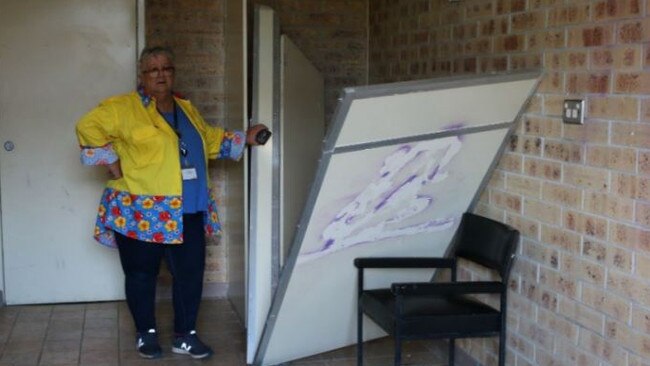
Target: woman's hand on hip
x,y
115,170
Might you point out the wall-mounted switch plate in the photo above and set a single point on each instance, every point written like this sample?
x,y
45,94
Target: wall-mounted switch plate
x,y
573,111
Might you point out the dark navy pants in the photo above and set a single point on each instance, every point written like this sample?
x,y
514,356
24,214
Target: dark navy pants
x,y
186,262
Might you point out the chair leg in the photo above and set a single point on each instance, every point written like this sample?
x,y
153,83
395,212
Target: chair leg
x,y
359,337
452,351
502,349
398,350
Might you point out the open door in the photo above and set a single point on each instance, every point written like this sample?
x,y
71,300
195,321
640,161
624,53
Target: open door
x,y
288,96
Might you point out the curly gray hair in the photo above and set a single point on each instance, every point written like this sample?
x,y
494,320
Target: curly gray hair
x,y
154,51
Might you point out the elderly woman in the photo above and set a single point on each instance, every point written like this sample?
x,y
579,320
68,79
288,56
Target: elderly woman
x,y
156,146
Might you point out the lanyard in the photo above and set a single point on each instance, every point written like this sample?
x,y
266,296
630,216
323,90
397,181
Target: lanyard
x,y
181,144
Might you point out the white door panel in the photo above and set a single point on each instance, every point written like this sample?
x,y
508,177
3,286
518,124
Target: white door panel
x,y
58,59
288,96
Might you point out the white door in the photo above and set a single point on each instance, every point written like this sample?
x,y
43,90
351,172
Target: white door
x,y
288,96
58,59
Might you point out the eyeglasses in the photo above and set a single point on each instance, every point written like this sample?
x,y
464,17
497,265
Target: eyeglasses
x,y
167,70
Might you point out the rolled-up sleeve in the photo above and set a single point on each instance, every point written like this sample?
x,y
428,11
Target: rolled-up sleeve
x,y
232,145
96,133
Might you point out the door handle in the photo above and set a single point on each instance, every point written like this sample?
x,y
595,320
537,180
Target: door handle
x,y
9,145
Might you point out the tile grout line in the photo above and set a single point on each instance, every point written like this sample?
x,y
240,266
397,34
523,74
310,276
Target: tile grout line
x,y
47,328
81,339
119,331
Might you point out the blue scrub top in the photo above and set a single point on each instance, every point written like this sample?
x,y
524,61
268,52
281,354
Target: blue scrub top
x,y
195,191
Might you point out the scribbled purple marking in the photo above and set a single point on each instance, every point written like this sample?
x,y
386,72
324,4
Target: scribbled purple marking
x,y
433,223
406,148
424,225
391,193
455,126
338,218
425,196
348,227
328,244
433,173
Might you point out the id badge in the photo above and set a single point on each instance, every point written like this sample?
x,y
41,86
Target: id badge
x,y
189,173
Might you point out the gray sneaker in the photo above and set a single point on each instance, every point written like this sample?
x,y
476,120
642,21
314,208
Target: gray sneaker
x,y
147,344
190,344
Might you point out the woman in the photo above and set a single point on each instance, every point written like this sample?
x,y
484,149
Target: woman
x,y
156,146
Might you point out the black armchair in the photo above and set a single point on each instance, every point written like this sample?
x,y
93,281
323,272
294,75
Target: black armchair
x,y
426,310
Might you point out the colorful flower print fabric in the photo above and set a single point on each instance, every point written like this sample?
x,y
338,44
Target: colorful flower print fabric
x,y
155,219
233,145
98,155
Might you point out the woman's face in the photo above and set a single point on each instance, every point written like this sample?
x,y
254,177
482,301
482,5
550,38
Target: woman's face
x,y
157,75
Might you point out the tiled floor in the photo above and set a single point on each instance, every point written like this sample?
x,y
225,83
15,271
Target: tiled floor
x,y
101,334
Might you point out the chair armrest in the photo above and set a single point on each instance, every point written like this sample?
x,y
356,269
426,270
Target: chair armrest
x,y
390,262
448,288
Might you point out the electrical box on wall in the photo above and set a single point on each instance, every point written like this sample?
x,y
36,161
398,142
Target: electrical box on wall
x,y
573,111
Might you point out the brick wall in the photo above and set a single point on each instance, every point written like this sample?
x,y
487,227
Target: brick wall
x,y
579,194
194,30
333,35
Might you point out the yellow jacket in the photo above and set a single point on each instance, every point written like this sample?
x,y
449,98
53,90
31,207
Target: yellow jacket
x,y
146,202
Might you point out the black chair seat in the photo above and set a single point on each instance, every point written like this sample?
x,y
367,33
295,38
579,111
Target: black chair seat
x,y
443,309
449,316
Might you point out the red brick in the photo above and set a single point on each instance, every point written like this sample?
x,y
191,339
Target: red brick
x,y
609,205
644,162
570,14
479,10
510,6
630,237
493,26
537,4
552,82
566,60
547,169
592,132
593,179
526,145
528,228
634,31
509,43
631,134
591,36
511,162
617,58
618,158
586,224
562,194
543,211
582,83
563,151
632,83
560,238
493,64
541,126
507,201
528,21
616,9
610,107
525,62
545,40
